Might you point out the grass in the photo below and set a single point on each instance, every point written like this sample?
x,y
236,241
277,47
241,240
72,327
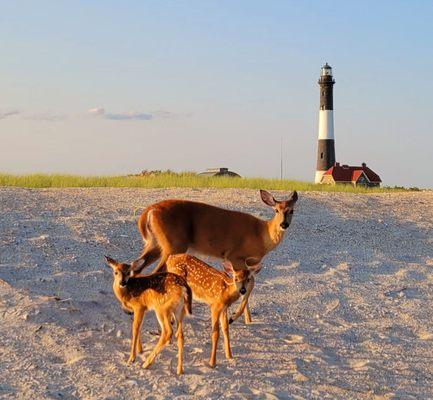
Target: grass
x,y
169,179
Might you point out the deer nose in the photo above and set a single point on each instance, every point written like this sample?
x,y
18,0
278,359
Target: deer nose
x,y
242,290
284,225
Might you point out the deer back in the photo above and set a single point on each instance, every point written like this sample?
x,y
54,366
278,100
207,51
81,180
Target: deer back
x,y
207,283
154,290
202,227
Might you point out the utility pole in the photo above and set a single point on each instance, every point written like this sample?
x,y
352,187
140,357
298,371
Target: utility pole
x,y
281,159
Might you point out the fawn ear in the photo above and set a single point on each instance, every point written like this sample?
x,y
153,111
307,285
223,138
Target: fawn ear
x,y
267,198
294,196
228,266
111,262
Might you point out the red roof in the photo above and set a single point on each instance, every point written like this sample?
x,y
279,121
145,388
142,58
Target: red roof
x,y
346,173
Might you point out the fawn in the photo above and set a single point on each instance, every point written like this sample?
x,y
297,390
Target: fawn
x,y
165,293
214,288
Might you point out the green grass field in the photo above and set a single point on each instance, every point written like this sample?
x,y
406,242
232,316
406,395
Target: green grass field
x,y
166,180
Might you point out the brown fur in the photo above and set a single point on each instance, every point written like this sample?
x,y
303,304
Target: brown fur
x,y
174,226
215,288
165,293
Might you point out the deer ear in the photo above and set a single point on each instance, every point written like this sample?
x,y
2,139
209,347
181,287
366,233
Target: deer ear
x,y
136,266
253,265
111,262
251,262
267,198
228,266
294,197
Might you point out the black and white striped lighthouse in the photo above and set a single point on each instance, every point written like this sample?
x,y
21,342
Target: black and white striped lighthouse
x,y
325,148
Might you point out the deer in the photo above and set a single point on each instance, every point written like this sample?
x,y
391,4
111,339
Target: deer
x,y
165,293
176,226
217,289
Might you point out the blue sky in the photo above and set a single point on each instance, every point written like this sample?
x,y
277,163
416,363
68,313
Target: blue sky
x,y
107,87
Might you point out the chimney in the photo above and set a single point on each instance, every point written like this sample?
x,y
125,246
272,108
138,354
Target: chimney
x,y
364,165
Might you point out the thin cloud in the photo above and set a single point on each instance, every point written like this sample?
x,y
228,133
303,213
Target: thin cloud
x,y
124,116
164,114
6,114
46,116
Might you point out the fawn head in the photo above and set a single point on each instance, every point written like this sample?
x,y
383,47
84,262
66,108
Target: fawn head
x,y
241,278
121,271
283,209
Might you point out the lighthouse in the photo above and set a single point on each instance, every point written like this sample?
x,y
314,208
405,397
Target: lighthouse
x,y
325,146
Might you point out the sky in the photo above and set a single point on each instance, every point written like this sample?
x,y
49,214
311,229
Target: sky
x,y
115,87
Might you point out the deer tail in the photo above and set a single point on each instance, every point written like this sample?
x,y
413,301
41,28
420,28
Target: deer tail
x,y
188,299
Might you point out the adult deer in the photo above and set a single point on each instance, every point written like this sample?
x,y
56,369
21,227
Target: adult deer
x,y
175,226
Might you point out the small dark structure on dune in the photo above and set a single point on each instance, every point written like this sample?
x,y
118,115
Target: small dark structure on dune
x,y
219,172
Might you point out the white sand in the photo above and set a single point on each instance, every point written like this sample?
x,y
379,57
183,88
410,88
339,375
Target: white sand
x,y
342,309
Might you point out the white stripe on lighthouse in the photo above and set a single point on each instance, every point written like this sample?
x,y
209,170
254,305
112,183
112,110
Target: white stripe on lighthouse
x,y
326,124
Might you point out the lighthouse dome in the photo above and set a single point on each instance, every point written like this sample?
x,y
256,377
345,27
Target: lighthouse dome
x,y
326,70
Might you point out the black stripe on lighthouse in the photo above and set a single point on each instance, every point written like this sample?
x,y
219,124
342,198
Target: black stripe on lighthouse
x,y
326,146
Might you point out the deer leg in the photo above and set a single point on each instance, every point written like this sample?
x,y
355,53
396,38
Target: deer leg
x,y
168,250
247,314
215,335
179,335
166,333
225,328
150,254
139,344
138,319
242,308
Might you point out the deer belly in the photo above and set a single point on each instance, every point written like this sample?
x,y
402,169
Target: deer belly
x,y
201,295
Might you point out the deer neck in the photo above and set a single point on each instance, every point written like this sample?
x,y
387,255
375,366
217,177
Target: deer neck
x,y
273,234
122,294
232,292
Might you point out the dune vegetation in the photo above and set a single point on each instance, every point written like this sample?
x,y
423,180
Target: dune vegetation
x,y
169,179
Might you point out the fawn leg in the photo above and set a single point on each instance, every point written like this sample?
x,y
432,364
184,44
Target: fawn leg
x,y
225,328
215,335
179,335
166,333
138,319
139,344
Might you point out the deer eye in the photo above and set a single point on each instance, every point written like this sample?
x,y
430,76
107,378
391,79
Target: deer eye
x,y
276,211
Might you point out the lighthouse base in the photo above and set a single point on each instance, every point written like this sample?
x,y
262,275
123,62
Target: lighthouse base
x,y
318,176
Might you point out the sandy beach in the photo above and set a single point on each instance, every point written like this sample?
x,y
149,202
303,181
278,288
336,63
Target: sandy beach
x,y
341,310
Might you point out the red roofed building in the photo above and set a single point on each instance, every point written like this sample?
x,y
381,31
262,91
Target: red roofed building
x,y
345,174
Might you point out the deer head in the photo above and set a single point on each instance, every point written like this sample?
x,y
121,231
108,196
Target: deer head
x,y
121,271
283,209
241,278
